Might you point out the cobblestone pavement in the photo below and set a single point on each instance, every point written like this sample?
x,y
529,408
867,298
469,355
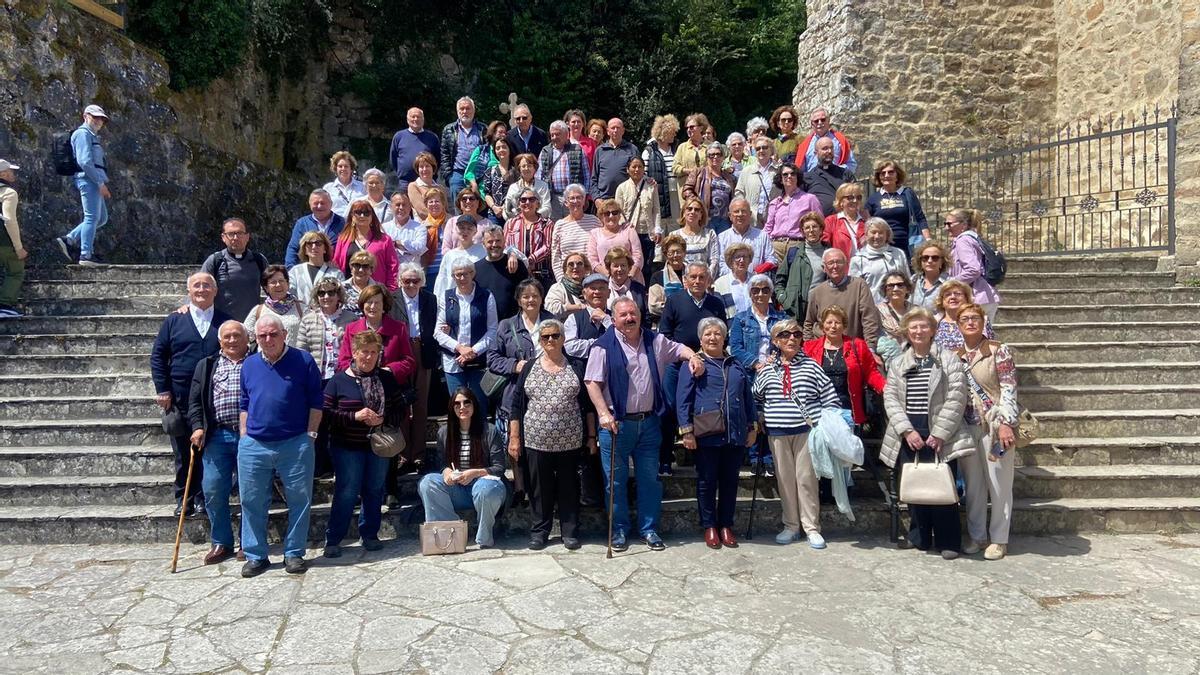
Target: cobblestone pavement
x,y
1127,604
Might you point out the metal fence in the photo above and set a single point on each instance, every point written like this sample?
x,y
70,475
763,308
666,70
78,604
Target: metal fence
x,y
1107,185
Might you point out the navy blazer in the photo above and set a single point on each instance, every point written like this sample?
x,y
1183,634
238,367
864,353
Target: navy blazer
x,y
177,350
724,385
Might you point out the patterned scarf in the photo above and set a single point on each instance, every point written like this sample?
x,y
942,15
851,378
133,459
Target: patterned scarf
x,y
372,388
282,307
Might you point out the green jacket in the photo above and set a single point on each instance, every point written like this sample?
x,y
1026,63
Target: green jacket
x,y
792,282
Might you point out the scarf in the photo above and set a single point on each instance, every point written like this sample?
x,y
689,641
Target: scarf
x,y
871,251
574,288
282,307
372,388
433,227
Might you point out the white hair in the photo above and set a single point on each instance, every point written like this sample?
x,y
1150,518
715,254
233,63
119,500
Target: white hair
x,y
269,318
519,106
879,224
548,323
560,125
489,227
762,279
756,123
735,136
410,266
201,274
467,99
709,322
832,251
461,263
234,324
574,187
373,172
695,263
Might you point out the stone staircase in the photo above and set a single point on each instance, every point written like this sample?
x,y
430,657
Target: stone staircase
x,y
1108,352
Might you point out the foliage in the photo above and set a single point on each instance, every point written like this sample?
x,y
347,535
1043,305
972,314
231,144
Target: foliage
x,y
201,40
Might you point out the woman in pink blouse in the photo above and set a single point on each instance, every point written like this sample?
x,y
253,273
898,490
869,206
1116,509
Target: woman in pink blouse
x,y
614,231
783,213
364,233
530,233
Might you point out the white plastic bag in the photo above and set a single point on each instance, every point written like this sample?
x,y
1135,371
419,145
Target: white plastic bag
x,y
836,428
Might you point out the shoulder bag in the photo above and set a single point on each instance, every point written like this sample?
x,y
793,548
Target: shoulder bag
x,y
927,483
443,537
1027,425
712,423
386,441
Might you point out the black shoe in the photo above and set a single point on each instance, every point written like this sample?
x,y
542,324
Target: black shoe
x,y
518,498
619,543
68,248
199,509
372,544
537,543
654,541
665,470
571,543
191,509
253,568
295,565
333,551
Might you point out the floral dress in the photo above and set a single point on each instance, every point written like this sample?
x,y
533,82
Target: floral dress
x,y
553,421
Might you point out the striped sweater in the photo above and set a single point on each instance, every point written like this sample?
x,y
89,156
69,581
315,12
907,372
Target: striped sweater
x,y
781,414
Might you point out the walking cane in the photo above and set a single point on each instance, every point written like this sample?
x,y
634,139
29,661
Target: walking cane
x,y
183,511
612,463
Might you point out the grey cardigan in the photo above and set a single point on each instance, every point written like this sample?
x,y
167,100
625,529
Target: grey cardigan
x,y
948,397
495,449
311,334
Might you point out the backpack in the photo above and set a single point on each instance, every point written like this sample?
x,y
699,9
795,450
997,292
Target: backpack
x,y
994,264
62,156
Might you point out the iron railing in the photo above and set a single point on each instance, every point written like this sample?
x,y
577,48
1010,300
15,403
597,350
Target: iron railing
x,y
1107,185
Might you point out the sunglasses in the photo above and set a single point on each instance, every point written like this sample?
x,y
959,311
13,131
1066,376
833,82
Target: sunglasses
x,y
327,294
715,155
786,119
818,122
359,266
787,335
950,223
760,291
788,174
612,213
362,214
468,198
410,282
521,118
692,209
930,258
547,337
526,200
853,198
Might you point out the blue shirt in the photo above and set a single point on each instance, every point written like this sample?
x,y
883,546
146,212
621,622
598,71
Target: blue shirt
x,y
89,155
467,142
277,397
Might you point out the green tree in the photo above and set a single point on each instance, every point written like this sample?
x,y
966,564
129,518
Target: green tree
x,y
200,40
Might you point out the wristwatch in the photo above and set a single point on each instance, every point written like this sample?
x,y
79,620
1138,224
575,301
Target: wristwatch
x,y
312,435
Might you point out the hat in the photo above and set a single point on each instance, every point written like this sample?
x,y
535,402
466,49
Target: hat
x,y
6,165
593,278
95,111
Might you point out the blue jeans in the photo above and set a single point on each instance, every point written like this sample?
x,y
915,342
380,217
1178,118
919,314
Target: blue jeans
x,y
220,464
473,380
719,225
669,423
442,502
914,240
639,438
456,186
95,216
356,472
258,463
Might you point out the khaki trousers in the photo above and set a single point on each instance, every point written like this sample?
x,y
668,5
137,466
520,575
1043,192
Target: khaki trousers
x,y
797,482
982,479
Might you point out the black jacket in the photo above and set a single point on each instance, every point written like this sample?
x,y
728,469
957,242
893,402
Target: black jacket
x,y
427,304
200,400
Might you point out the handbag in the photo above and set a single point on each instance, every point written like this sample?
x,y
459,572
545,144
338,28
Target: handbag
x,y
493,384
927,483
443,537
175,422
386,441
712,423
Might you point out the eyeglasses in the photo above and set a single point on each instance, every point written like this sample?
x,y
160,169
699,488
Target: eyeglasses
x,y
267,336
547,337
786,119
894,285
521,118
950,223
740,258
526,200
463,404
930,258
362,214
468,198
887,172
359,266
315,243
463,274
970,318
762,290
788,174
763,148
787,335
853,198
819,121
231,235
327,294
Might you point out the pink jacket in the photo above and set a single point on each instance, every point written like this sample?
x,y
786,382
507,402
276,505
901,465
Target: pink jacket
x,y
387,265
967,256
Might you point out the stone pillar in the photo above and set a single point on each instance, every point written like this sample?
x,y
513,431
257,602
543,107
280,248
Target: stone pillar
x,y
1187,149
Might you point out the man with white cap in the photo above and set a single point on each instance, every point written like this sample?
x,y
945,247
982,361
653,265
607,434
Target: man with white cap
x,y
92,183
12,252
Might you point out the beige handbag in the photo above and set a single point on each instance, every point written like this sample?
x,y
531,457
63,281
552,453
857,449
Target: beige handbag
x,y
386,441
927,483
442,537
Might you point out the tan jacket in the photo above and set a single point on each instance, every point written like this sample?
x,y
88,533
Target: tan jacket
x,y
8,208
947,403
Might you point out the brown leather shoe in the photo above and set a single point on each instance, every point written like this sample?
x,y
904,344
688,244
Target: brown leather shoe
x,y
710,537
218,554
727,537
241,555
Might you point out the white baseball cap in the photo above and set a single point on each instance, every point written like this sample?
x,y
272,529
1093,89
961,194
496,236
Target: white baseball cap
x,y
6,165
95,111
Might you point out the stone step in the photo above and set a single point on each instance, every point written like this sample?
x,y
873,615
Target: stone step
x,y
150,523
1119,423
98,431
1110,262
1119,481
1100,331
176,273
1019,281
91,306
1109,397
1085,296
1093,451
119,460
47,289
60,491
1113,350
117,384
77,407
75,364
1149,372
116,324
66,343
1123,313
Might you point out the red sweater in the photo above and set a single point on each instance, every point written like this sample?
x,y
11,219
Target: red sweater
x,y
860,371
397,350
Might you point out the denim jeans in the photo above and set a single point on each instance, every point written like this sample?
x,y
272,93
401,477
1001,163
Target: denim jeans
x,y
258,463
95,216
639,439
719,225
456,186
220,464
356,472
914,240
442,502
471,379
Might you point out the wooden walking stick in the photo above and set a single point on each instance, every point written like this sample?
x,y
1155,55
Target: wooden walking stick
x,y
612,463
183,511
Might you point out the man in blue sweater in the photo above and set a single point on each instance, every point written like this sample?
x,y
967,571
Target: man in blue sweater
x,y
280,414
410,142
185,339
322,219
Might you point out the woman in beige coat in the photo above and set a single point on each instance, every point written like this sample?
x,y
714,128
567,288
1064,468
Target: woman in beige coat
x,y
925,399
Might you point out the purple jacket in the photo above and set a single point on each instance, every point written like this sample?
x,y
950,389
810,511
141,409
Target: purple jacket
x,y
968,267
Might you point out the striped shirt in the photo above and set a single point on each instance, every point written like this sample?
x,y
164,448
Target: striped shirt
x,y
809,385
570,236
916,393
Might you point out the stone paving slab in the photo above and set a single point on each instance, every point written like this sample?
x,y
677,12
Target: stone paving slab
x,y
1103,604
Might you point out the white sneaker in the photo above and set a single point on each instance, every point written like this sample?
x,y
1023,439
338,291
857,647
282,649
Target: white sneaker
x,y
787,536
995,552
973,547
816,541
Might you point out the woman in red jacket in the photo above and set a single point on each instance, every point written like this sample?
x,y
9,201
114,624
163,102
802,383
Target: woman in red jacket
x,y
847,361
397,357
846,229
364,233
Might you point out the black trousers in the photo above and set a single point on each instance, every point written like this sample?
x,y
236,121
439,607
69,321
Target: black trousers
x,y
717,469
554,480
182,447
930,526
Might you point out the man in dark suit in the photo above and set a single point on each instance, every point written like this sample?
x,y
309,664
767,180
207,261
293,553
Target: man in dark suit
x,y
525,136
826,177
185,339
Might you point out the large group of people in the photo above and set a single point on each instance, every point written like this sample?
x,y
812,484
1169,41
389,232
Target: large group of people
x,y
582,307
